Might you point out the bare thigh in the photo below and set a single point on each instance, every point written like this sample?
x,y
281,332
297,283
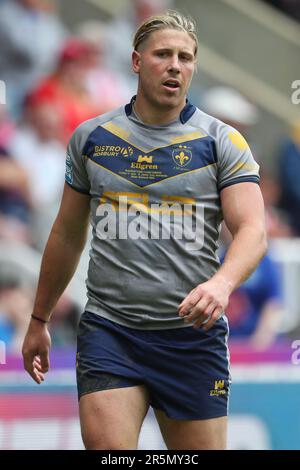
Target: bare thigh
x,y
206,434
112,419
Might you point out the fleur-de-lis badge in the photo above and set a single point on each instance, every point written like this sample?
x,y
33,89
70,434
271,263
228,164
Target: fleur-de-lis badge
x,y
182,156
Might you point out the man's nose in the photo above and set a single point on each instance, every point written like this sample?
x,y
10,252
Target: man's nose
x,y
174,65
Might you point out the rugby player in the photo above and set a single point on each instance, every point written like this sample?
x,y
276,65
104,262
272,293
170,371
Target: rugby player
x,y
156,177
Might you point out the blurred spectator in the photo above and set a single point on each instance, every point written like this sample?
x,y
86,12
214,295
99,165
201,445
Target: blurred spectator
x,y
289,7
30,38
15,308
276,220
289,175
64,321
120,32
255,309
108,89
230,106
66,89
15,200
37,148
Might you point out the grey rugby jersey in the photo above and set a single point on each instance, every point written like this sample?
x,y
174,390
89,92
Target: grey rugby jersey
x,y
155,208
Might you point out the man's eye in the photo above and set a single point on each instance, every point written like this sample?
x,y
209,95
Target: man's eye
x,y
186,58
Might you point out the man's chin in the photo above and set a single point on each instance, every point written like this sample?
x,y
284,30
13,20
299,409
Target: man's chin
x,y
170,102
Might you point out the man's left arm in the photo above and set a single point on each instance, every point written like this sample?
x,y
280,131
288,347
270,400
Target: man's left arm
x,y
243,211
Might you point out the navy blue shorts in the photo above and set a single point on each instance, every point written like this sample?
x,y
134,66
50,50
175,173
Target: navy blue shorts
x,y
185,370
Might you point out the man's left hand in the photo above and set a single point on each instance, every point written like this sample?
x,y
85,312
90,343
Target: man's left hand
x,y
204,305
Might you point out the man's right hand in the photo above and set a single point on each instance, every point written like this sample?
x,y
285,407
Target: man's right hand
x,y
35,350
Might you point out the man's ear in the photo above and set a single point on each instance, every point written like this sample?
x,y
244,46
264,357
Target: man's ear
x,y
136,60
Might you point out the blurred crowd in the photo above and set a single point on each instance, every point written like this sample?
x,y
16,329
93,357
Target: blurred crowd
x,y
289,7
55,79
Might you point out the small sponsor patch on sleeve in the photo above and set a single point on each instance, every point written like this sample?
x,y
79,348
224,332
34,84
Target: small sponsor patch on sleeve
x,y
238,140
69,170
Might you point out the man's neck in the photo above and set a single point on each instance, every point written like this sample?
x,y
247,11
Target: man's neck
x,y
153,116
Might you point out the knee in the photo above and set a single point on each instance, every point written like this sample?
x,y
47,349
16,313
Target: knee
x,y
91,443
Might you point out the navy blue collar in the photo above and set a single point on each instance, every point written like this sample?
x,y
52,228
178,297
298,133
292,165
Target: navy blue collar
x,y
185,114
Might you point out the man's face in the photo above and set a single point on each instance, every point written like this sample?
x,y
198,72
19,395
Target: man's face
x,y
165,64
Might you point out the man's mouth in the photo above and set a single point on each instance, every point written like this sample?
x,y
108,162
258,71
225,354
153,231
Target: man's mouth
x,y
171,84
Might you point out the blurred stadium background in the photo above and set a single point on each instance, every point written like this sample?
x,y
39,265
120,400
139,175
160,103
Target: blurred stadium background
x,y
64,61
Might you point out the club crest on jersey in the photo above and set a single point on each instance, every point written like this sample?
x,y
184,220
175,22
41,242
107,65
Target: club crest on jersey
x,y
182,155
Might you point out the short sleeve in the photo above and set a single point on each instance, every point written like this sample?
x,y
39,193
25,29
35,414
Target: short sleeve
x,y
236,163
76,175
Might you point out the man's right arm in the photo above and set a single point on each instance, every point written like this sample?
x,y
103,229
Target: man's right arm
x,y
60,259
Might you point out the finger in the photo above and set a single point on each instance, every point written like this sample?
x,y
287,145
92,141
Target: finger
x,y
28,362
204,308
194,317
29,359
45,363
203,320
37,376
206,316
199,322
37,365
186,298
189,302
215,316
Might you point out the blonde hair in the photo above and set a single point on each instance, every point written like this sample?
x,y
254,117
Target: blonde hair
x,y
170,20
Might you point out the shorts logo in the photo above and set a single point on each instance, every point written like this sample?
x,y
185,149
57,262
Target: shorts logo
x,y
112,151
182,155
219,389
